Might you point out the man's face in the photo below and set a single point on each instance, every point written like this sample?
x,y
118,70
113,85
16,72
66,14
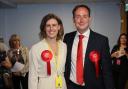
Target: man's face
x,y
82,19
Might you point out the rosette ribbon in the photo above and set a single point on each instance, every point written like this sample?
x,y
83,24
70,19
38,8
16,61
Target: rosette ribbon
x,y
46,56
95,57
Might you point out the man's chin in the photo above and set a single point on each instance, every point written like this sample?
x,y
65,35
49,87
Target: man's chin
x,y
82,30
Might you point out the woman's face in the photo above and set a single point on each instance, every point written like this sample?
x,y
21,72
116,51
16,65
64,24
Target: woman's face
x,y
123,39
16,43
52,27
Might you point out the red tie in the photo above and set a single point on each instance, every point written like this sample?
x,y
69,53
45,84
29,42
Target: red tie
x,y
79,63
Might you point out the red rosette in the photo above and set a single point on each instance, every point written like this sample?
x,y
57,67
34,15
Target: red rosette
x,y
95,57
46,56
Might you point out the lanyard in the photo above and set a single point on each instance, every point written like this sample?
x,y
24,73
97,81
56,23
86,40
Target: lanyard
x,y
56,57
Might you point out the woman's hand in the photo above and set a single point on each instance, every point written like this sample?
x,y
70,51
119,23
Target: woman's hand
x,y
122,52
7,64
115,54
17,73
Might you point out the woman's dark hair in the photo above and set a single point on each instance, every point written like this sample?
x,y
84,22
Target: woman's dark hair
x,y
79,6
118,42
49,16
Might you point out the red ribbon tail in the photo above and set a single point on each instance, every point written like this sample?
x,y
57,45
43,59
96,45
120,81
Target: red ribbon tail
x,y
48,68
97,70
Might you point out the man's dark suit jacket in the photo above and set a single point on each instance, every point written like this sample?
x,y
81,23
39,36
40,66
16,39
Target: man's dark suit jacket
x,y
99,43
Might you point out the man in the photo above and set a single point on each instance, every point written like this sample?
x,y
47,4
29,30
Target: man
x,y
88,64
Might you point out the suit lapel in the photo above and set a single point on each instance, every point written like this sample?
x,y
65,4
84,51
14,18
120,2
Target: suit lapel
x,y
90,43
70,46
69,42
90,46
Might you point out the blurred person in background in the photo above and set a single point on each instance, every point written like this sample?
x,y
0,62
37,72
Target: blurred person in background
x,y
119,57
5,64
18,55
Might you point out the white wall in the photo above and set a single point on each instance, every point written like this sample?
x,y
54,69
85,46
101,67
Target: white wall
x,y
25,20
1,23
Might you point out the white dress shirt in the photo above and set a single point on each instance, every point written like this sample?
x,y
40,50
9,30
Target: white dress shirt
x,y
74,53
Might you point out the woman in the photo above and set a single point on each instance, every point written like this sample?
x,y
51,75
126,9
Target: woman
x,y
47,57
18,55
5,65
4,61
119,56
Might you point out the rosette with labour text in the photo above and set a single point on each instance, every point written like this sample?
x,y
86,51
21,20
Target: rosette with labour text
x,y
46,56
95,57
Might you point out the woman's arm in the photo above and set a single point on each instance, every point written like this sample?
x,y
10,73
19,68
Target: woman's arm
x,y
33,75
7,63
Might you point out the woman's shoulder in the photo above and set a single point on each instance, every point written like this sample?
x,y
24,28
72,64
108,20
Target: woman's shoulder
x,y
23,48
38,45
62,43
116,46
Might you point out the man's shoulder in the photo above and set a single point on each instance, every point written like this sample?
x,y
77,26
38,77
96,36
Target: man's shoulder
x,y
69,36
98,35
70,33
